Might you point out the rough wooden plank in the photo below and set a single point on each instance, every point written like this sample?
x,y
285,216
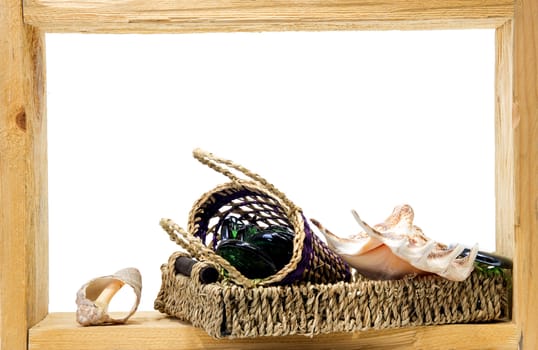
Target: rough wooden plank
x,y
151,330
143,16
505,153
23,178
525,111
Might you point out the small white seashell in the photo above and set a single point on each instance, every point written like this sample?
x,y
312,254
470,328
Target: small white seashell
x,y
94,296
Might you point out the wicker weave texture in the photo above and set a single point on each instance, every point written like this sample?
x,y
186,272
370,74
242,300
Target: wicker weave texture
x,y
312,260
227,310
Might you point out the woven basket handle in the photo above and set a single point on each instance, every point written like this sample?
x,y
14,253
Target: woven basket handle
x,y
198,250
223,166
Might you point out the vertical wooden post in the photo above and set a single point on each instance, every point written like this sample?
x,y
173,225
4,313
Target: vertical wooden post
x,y
23,178
525,115
505,152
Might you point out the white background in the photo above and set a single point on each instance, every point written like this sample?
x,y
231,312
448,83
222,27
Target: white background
x,y
336,120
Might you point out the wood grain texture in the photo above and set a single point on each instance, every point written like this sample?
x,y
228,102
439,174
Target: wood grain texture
x,y
141,16
525,111
505,151
23,189
152,331
23,178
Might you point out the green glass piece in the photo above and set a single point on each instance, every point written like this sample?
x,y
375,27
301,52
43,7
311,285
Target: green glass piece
x,y
247,258
276,242
231,228
234,228
248,231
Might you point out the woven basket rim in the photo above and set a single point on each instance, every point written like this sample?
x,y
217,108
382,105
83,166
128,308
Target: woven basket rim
x,y
294,216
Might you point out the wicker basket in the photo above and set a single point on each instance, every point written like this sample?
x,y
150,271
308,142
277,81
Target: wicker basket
x,y
231,311
260,203
316,292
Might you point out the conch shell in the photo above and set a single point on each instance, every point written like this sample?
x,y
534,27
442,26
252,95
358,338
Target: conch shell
x,y
396,248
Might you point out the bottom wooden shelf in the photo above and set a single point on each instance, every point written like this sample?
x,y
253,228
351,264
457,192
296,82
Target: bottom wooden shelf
x,y
152,330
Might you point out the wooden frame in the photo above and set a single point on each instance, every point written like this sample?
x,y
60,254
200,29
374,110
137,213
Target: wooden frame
x,y
24,319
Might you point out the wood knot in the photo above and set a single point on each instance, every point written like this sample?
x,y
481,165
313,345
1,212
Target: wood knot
x,y
20,119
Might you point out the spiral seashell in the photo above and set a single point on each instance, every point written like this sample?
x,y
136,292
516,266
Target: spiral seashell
x,y
94,296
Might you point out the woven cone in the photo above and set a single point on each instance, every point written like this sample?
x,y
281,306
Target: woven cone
x,y
257,202
311,261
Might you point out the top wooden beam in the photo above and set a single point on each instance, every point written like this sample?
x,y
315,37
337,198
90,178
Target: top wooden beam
x,y
184,16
